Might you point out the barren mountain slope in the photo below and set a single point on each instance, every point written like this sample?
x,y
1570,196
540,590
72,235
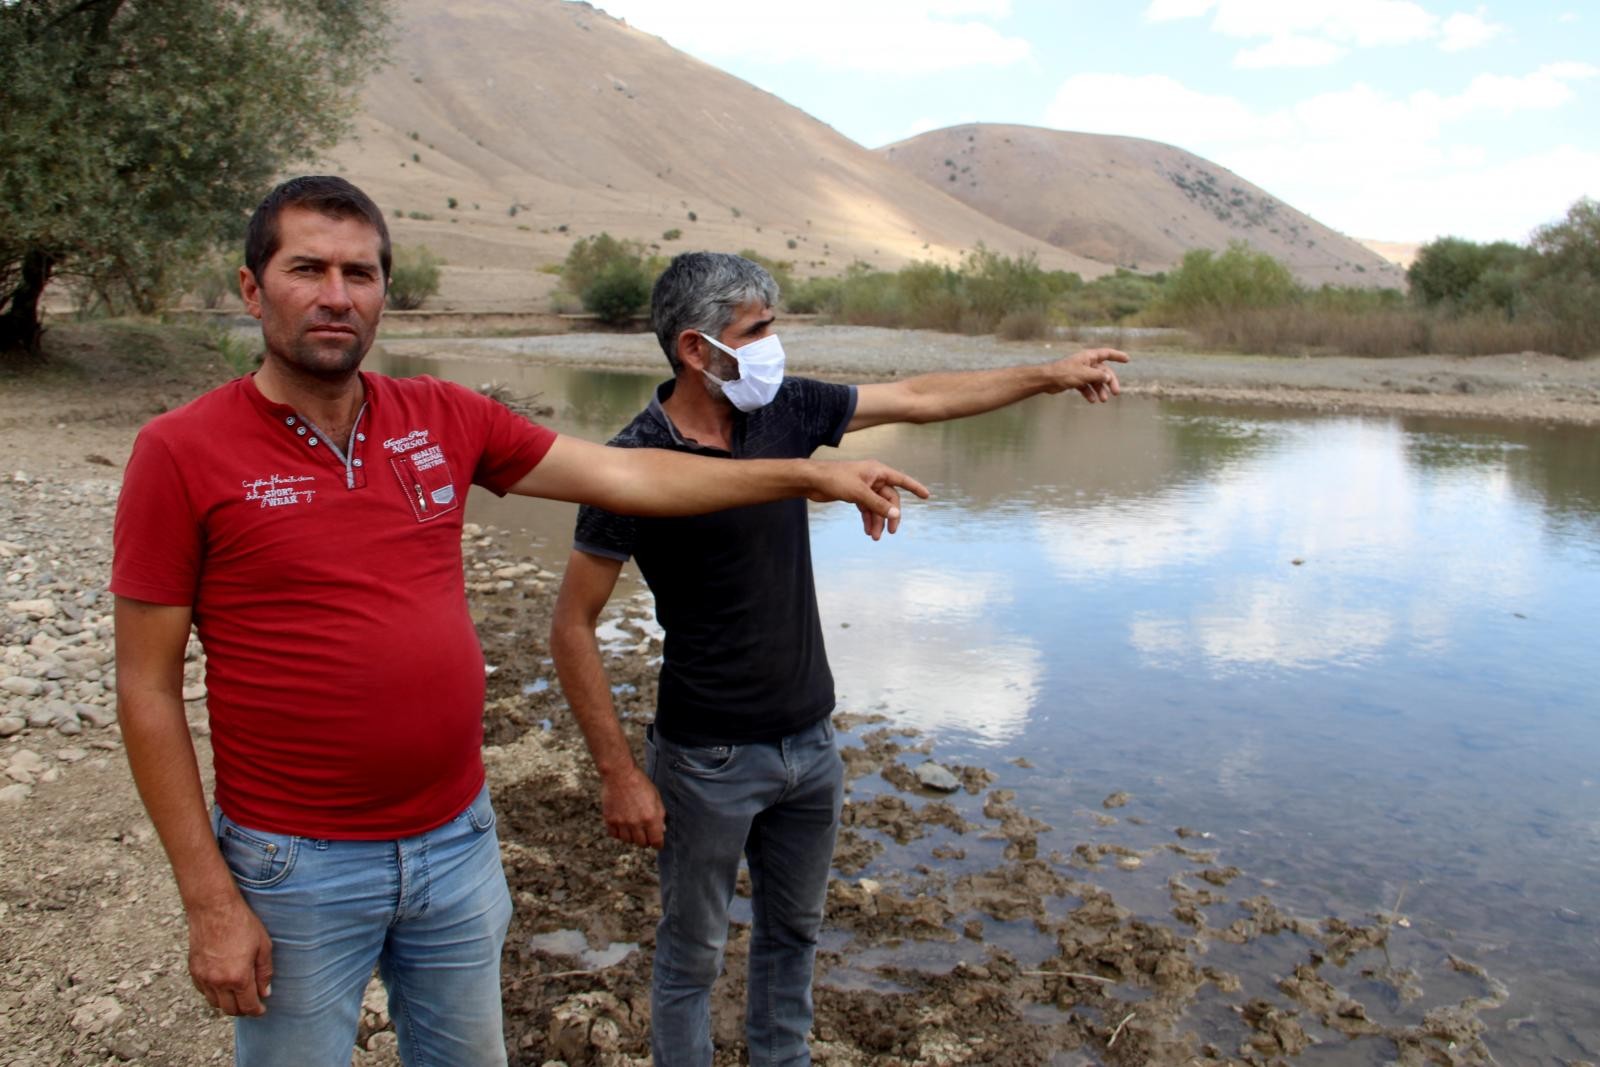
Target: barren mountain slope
x,y
584,124
1127,201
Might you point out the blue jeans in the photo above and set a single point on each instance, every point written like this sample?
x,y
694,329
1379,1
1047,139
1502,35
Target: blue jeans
x,y
431,911
778,804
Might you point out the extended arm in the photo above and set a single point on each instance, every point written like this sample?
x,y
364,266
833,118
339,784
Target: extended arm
x,y
628,800
652,481
957,394
230,954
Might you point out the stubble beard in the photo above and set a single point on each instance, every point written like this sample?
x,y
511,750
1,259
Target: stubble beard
x,y
325,362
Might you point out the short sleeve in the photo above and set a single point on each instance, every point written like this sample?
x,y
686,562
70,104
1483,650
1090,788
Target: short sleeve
x,y
157,540
512,445
602,533
825,410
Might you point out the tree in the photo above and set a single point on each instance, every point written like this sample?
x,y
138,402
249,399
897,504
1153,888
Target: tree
x,y
138,134
1207,283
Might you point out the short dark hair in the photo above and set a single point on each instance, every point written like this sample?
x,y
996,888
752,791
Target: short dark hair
x,y
325,193
702,291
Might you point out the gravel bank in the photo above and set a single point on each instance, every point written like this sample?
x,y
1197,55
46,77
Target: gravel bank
x,y
1520,386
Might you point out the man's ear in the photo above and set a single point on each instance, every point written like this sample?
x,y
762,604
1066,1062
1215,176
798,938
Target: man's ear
x,y
693,351
250,292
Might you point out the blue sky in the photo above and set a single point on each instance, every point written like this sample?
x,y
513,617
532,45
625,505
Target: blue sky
x,y
1398,120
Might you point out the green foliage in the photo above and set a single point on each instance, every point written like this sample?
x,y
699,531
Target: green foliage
x,y
214,279
1463,275
672,234
413,278
618,292
1109,299
590,256
1551,287
1207,284
451,202
611,276
240,352
137,136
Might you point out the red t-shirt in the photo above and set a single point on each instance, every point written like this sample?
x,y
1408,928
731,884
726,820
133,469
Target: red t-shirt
x,y
345,680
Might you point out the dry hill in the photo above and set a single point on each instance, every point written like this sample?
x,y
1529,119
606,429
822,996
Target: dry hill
x,y
1127,201
547,120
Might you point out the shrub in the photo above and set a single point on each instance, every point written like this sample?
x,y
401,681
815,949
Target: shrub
x,y
1240,278
589,257
621,289
672,234
451,202
1024,325
214,281
413,278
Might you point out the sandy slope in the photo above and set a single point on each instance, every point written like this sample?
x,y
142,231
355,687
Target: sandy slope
x,y
1125,200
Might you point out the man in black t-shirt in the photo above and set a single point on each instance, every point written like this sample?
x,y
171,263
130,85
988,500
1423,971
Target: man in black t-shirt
x,y
741,759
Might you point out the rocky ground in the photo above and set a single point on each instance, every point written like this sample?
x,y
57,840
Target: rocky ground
x,y
936,875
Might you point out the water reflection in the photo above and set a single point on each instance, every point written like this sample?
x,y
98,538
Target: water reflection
x,y
1114,593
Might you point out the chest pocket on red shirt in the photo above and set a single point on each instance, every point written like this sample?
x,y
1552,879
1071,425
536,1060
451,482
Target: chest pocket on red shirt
x,y
425,477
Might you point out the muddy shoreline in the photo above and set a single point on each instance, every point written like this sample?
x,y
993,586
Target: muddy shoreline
x,y
960,929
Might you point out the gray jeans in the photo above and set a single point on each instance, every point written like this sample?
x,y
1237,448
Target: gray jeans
x,y
777,803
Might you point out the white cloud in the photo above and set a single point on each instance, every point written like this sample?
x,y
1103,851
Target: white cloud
x,y
1360,159
1358,22
885,36
1168,10
1462,31
1313,33
1569,16
1153,106
1290,52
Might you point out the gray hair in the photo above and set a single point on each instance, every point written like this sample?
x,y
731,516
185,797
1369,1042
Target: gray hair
x,y
702,291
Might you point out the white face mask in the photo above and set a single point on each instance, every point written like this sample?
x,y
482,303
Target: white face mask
x,y
760,372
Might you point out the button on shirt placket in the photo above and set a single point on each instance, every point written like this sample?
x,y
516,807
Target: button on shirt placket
x,y
355,476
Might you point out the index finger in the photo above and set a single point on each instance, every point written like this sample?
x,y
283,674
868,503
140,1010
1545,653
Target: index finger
x,y
901,480
1100,355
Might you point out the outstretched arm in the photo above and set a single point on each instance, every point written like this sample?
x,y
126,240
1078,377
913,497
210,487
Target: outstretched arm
x,y
629,802
957,394
230,954
653,481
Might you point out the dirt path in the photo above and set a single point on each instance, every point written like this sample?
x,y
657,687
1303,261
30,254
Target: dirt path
x,y
92,936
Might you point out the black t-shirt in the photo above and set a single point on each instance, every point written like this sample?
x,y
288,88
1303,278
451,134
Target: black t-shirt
x,y
744,659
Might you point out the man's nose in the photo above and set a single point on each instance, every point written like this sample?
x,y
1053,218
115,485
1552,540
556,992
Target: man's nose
x,y
335,292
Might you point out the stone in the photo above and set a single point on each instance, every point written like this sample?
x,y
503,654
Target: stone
x,y
15,794
26,687
932,776
95,716
193,692
69,727
40,716
12,724
97,1016
26,759
42,608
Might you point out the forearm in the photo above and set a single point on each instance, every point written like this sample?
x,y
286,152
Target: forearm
x,y
656,482
958,394
161,754
588,691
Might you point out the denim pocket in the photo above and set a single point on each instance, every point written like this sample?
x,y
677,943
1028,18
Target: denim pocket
x,y
256,859
480,813
703,761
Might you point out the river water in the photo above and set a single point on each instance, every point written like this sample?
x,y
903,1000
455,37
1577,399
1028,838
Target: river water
x,y
1358,652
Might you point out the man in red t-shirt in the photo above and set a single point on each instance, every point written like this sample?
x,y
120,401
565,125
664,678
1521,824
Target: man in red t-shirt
x,y
306,519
